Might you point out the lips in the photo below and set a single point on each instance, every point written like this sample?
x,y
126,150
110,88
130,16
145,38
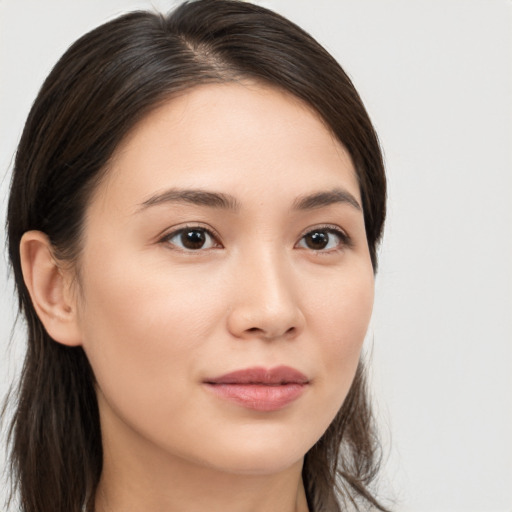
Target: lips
x,y
260,389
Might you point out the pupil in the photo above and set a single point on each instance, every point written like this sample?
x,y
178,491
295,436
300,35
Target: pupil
x,y
193,239
317,240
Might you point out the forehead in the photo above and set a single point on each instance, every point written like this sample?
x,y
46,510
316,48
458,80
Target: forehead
x,y
245,136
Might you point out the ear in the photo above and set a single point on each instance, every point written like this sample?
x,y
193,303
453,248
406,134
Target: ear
x,y
50,288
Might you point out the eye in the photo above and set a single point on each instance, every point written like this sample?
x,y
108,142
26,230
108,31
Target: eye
x,y
323,239
191,239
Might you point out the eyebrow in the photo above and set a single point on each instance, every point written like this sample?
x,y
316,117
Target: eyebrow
x,y
322,199
193,196
228,202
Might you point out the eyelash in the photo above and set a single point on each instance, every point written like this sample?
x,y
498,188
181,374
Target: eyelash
x,y
344,239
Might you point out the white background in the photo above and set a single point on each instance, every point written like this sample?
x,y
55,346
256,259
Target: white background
x,y
436,77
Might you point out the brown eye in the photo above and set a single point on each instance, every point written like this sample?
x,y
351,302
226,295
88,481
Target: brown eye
x,y
322,239
191,239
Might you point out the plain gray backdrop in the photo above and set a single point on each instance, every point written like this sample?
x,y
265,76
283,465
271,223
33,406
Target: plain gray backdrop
x,y
436,77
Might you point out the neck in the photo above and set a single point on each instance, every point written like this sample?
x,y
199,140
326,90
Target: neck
x,y
138,476
185,486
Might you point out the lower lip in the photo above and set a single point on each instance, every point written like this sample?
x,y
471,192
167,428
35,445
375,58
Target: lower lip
x,y
259,397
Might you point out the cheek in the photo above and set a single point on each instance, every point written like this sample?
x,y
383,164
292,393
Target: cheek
x,y
139,297
342,317
342,307
144,327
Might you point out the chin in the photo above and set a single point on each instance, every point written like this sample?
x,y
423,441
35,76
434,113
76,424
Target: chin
x,y
260,463
261,453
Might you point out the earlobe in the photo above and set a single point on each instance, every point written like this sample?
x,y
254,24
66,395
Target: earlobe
x,y
50,288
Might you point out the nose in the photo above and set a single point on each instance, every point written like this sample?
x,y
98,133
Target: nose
x,y
265,301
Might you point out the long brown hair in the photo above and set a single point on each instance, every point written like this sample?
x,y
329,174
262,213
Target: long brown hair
x,y
101,87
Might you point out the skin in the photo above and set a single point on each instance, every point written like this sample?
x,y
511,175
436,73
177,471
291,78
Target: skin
x,y
156,319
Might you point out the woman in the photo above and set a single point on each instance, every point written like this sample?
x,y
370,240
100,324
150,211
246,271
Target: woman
x,y
193,221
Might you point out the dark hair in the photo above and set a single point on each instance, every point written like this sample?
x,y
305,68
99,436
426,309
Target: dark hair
x,y
102,86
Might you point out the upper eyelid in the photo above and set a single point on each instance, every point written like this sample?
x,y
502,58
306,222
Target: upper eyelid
x,y
326,227
179,229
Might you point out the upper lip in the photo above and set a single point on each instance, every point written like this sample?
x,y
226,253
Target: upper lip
x,y
260,375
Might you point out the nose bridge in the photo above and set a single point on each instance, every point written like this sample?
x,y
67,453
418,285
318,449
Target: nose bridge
x,y
272,277
266,302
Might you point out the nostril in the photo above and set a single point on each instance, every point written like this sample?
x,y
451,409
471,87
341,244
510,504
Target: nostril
x,y
290,332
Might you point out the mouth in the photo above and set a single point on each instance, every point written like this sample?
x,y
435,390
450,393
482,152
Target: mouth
x,y
260,389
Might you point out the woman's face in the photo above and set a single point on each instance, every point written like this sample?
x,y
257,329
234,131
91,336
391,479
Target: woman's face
x,y
226,236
